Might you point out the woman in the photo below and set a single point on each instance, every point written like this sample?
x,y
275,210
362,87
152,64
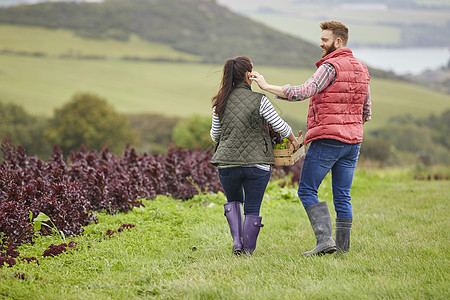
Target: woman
x,y
244,149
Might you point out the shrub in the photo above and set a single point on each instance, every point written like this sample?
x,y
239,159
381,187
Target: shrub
x,y
193,133
154,132
23,128
88,119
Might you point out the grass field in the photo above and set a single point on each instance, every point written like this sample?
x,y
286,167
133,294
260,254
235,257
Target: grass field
x,y
60,42
380,27
182,250
309,30
176,89
42,84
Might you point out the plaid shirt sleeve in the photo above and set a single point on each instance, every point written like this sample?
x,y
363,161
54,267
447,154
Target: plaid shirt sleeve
x,y
367,110
322,78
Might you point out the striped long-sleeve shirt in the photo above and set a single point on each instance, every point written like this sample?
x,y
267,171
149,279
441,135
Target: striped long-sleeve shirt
x,y
266,111
320,80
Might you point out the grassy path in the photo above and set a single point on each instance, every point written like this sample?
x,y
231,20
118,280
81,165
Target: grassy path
x,y
182,250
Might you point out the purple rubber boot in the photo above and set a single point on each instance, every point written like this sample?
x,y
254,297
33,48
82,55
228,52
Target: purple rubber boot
x,y
235,218
252,225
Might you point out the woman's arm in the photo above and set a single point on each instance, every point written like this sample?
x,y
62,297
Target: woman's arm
x,y
267,111
216,128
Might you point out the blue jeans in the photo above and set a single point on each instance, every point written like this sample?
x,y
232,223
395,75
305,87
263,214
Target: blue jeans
x,y
322,156
246,185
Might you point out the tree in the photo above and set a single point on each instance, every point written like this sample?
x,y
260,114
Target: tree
x,y
24,129
193,133
154,132
88,119
375,148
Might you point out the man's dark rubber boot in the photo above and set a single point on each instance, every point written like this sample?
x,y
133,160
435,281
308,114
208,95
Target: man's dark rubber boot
x,y
320,220
342,234
252,225
235,218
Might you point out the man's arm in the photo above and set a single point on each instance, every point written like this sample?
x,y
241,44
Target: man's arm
x,y
320,80
273,89
367,109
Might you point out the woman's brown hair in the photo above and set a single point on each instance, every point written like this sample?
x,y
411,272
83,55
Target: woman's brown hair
x,y
234,72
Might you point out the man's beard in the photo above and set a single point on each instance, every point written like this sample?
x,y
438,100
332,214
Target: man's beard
x,y
328,50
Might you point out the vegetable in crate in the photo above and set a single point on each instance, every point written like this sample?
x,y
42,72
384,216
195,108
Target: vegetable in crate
x,y
281,145
277,140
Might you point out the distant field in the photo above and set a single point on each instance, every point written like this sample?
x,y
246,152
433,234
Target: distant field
x,y
59,42
367,26
350,14
176,89
309,30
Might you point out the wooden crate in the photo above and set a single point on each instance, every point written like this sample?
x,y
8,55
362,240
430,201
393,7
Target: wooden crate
x,y
288,157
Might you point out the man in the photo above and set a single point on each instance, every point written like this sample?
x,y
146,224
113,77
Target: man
x,y
339,106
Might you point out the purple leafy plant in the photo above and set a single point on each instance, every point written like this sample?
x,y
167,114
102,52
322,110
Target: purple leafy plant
x,y
69,192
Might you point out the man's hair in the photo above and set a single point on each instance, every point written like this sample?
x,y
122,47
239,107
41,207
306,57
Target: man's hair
x,y
339,30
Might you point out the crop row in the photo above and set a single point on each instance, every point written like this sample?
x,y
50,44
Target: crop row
x,y
70,192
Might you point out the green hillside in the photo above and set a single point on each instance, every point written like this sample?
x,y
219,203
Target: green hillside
x,y
198,27
132,59
42,84
63,43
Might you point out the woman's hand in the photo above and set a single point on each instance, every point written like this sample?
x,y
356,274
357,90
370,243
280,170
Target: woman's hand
x,y
294,141
296,145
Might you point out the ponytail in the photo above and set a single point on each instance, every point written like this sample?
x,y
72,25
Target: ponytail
x,y
234,71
